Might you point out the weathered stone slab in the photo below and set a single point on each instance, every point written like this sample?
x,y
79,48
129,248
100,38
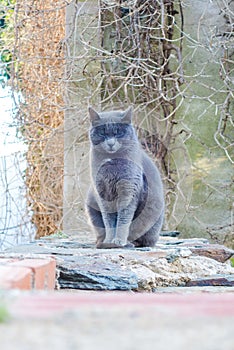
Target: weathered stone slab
x,y
48,248
95,274
213,251
217,280
189,242
169,233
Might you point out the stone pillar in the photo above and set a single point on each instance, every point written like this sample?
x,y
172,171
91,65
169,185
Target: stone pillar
x,y
203,51
80,91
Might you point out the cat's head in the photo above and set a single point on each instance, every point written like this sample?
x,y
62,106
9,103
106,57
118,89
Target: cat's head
x,y
112,131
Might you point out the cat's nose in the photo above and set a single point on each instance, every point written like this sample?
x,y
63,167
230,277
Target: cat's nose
x,y
111,142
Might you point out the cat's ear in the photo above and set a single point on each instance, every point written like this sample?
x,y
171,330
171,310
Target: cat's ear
x,y
94,116
127,117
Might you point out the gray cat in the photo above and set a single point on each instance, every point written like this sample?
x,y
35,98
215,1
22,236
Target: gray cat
x,y
125,202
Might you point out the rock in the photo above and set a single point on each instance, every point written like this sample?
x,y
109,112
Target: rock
x,y
189,242
214,251
145,278
199,247
184,253
170,233
216,280
95,274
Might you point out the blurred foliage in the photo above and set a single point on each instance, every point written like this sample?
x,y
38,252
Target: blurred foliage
x,y
37,73
6,36
4,313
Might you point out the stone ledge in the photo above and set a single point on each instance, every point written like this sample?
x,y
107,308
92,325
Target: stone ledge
x,y
173,262
139,270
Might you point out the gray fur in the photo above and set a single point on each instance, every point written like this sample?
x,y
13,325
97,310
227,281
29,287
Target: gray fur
x,y
125,202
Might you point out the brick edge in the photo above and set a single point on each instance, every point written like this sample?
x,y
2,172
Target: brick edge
x,y
28,273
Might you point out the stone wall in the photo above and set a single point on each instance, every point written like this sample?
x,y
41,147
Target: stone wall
x,y
201,203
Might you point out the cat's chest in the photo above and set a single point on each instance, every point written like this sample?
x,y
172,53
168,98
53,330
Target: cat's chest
x,y
118,169
114,172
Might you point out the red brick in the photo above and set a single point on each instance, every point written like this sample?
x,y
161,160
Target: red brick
x,y
15,277
43,270
184,305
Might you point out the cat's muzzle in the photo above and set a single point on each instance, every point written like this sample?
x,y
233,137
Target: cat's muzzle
x,y
111,145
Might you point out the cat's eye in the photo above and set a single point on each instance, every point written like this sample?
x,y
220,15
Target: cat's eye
x,y
102,133
120,131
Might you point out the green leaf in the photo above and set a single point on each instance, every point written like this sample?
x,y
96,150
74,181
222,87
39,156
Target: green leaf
x,y
4,314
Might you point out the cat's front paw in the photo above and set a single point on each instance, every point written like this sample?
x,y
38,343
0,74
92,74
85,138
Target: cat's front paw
x,y
119,242
104,245
122,243
129,245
